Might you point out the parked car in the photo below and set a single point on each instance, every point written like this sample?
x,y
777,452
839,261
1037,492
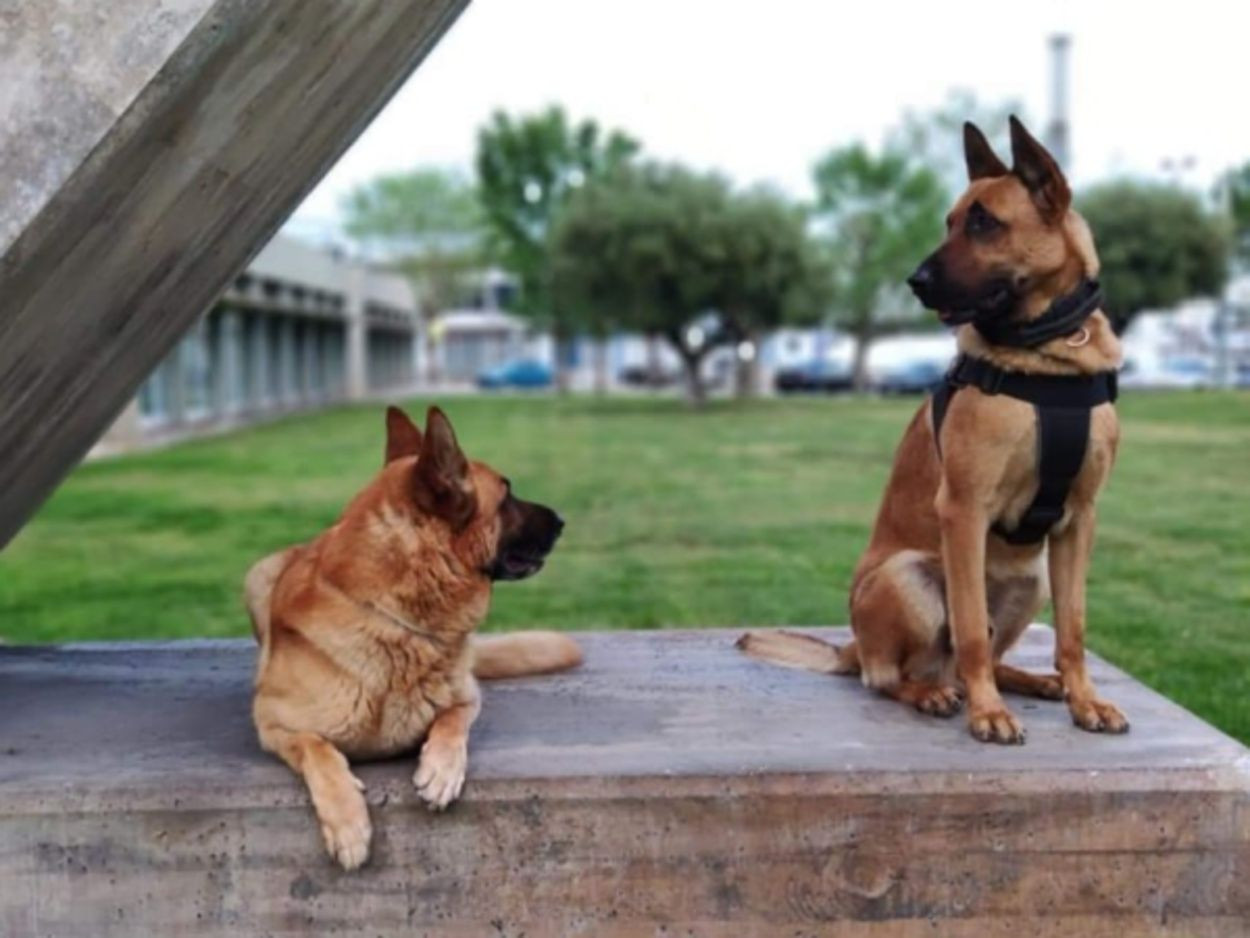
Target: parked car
x,y
521,373
817,374
640,376
913,377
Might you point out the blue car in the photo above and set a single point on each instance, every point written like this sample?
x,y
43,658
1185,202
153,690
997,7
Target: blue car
x,y
521,373
917,377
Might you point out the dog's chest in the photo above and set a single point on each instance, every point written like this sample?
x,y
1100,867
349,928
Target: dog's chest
x,y
1018,485
406,683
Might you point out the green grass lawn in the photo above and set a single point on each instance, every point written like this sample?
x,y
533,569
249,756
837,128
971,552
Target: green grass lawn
x,y
745,515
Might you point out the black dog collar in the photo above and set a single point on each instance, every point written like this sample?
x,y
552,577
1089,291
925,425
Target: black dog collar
x,y
1063,317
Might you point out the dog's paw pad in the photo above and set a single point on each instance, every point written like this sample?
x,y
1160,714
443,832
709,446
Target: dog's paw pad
x,y
440,775
996,726
1098,716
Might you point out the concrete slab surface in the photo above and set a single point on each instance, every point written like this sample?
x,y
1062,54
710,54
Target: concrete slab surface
x,y
669,786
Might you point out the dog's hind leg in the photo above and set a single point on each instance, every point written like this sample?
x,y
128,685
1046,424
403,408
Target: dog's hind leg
x,y
1017,681
898,614
337,795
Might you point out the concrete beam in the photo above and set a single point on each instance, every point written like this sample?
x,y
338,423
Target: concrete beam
x,y
147,149
668,787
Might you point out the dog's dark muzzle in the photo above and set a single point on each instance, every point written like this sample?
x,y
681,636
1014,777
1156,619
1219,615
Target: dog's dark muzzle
x,y
955,305
526,541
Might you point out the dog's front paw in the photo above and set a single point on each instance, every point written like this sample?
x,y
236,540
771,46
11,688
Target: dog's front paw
x,y
440,773
346,829
996,725
1098,716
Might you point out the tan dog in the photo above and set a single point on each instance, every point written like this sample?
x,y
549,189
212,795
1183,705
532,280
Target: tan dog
x,y
364,633
940,594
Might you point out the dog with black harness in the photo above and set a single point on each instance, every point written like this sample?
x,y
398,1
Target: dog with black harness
x,y
989,508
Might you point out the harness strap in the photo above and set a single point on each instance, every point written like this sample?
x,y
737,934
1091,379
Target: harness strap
x,y
1062,404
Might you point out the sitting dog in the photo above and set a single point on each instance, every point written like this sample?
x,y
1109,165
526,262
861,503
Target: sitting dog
x,y
991,498
365,632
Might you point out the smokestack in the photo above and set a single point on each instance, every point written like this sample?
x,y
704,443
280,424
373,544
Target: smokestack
x,y
1057,129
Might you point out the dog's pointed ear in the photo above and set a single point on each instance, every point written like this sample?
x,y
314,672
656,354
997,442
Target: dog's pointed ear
x,y
1041,175
442,474
402,436
982,161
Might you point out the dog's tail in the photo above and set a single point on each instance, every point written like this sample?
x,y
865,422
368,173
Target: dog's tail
x,y
516,654
805,652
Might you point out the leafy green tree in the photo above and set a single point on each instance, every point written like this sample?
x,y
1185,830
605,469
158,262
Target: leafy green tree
x,y
1236,192
771,272
1157,243
679,255
633,249
527,166
881,214
426,223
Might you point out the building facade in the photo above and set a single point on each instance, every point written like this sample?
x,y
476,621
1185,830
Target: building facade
x,y
298,328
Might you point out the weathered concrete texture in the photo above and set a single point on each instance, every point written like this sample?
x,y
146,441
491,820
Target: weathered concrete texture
x,y
669,787
147,149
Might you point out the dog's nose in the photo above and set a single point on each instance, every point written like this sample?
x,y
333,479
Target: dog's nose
x,y
558,523
921,278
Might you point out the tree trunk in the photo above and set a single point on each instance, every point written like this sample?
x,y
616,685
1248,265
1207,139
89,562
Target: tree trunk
x,y
429,313
696,393
560,371
653,360
859,364
601,366
747,372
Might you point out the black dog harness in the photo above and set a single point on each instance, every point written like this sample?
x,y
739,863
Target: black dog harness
x,y
1062,404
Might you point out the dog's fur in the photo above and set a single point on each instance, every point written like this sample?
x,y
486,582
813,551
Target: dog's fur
x,y
937,599
364,633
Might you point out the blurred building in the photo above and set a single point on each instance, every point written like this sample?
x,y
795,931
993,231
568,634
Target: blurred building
x,y
300,328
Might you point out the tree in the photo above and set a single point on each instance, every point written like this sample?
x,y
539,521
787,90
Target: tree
x,y
633,249
526,168
1235,188
771,272
934,138
881,215
426,223
679,255
1157,245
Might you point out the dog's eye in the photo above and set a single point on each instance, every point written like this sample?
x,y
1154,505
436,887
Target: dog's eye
x,y
980,223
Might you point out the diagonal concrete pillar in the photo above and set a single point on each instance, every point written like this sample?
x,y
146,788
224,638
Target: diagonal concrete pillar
x,y
147,149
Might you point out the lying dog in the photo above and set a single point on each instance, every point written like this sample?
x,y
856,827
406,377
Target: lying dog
x,y
998,472
365,632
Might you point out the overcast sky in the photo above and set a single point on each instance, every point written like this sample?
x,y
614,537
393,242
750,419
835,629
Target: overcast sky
x,y
759,90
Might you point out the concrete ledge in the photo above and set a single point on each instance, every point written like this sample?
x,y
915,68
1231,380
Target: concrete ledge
x,y
670,786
